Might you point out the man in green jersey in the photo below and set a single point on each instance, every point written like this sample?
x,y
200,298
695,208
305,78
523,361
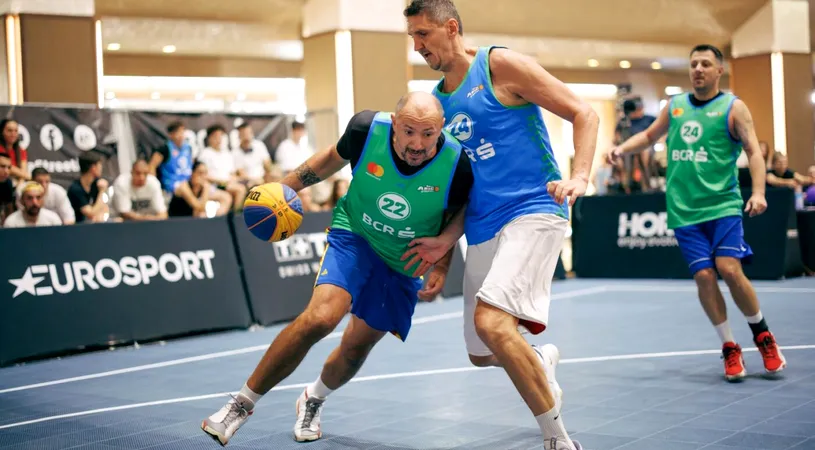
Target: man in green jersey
x,y
706,132
408,176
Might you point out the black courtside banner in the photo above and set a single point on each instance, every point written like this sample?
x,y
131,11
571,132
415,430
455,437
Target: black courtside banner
x,y
83,286
280,275
150,129
55,138
628,237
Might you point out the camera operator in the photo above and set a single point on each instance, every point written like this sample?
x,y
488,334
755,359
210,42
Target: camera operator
x,y
639,168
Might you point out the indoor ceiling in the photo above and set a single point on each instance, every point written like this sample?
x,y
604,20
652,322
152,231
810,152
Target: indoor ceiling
x,y
561,33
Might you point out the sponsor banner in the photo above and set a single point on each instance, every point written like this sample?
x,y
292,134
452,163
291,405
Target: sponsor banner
x,y
280,276
150,129
55,138
628,237
806,236
93,285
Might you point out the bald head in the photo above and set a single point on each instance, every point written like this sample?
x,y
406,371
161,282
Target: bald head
x,y
421,104
417,124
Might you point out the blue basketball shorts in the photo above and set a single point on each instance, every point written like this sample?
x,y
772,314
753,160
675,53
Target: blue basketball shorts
x,y
702,243
383,298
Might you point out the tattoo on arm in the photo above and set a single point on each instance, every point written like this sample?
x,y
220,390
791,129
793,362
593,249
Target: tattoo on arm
x,y
307,175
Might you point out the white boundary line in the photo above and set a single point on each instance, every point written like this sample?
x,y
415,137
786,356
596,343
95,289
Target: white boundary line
x,y
421,320
692,288
257,348
383,377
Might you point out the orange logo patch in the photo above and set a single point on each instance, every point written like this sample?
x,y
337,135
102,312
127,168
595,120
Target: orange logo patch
x,y
676,112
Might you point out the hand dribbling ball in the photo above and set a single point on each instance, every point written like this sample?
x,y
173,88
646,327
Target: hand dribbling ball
x,y
272,212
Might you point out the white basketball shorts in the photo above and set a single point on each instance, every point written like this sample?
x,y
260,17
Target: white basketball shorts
x,y
513,271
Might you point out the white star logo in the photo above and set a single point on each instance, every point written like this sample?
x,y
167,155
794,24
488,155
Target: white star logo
x,y
303,248
27,283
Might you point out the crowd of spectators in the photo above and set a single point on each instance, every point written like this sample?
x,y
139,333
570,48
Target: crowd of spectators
x,y
171,182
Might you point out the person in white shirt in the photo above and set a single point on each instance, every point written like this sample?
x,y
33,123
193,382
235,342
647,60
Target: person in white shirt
x,y
55,198
137,196
221,165
32,214
252,160
293,151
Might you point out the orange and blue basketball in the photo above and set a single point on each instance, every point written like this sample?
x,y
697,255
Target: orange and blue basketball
x,y
272,212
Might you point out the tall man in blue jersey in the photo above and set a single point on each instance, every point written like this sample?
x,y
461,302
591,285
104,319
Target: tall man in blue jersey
x,y
516,218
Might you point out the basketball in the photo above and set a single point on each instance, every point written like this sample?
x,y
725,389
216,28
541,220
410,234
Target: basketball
x,y
272,212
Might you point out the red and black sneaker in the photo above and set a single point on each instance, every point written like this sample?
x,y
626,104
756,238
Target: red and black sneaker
x,y
733,362
774,361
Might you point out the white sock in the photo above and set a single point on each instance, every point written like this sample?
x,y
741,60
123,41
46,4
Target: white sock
x,y
755,319
725,333
319,389
551,425
251,395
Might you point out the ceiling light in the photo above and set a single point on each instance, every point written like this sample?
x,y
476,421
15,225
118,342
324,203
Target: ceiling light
x,y
155,96
199,96
625,64
241,96
110,95
114,46
168,49
593,63
656,65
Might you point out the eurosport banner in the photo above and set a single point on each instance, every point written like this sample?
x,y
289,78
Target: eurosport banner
x,y
280,275
56,137
628,237
92,285
150,129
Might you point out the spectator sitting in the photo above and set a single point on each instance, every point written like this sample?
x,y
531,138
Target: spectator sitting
x,y
137,195
191,197
172,162
308,201
781,175
55,199
6,188
221,165
293,151
11,145
86,193
253,164
32,213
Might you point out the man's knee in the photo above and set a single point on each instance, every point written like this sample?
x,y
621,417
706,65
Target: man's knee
x,y
729,268
493,325
706,277
324,312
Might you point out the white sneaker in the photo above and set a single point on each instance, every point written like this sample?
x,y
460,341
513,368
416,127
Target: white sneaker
x,y
222,425
307,427
560,444
550,356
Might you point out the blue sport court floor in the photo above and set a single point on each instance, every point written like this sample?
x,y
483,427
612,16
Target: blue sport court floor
x,y
640,368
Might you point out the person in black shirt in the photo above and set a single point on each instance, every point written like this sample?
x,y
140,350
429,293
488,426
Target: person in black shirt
x,y
85,194
781,175
6,188
352,142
